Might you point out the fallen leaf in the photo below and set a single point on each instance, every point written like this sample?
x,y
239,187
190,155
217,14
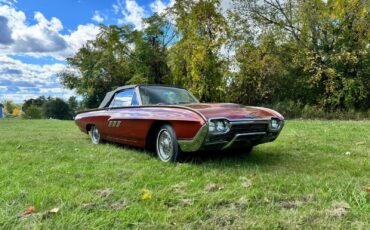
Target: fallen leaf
x,y
50,212
19,146
29,210
53,210
368,189
104,192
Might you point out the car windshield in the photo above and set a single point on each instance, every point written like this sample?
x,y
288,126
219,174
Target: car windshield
x,y
153,95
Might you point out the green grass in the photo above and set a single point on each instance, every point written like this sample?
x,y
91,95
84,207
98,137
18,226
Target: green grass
x,y
294,182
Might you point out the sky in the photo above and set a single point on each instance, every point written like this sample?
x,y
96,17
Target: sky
x,y
36,37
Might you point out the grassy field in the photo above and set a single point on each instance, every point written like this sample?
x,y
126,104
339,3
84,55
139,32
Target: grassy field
x,y
316,175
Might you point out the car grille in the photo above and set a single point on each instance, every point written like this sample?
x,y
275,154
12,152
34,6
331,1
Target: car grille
x,y
248,128
239,129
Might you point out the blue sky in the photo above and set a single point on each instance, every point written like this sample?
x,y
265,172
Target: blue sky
x,y
37,35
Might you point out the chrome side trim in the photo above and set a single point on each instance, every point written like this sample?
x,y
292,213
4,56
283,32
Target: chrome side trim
x,y
196,143
242,135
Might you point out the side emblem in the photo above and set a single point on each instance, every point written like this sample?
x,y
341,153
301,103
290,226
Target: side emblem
x,y
114,124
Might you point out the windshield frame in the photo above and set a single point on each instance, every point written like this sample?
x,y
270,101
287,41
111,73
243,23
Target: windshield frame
x,y
195,100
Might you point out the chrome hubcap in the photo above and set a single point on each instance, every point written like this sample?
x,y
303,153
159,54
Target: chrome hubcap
x,y
164,145
95,135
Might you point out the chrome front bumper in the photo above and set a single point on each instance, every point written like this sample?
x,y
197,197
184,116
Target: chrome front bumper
x,y
236,137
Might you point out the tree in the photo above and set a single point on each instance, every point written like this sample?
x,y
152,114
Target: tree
x,y
16,112
9,107
195,60
149,57
101,65
56,108
33,112
38,102
324,47
73,104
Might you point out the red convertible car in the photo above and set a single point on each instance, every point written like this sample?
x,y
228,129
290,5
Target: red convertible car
x,y
170,121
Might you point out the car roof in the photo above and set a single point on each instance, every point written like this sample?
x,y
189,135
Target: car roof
x,y
110,94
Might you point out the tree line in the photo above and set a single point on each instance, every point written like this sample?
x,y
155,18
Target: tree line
x,y
298,52
43,108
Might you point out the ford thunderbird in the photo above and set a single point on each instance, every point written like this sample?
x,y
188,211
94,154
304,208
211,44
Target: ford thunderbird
x,y
170,121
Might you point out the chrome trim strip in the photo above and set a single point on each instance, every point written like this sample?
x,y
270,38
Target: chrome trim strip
x,y
197,142
242,135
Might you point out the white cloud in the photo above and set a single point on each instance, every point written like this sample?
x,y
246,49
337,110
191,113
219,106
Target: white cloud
x,y
44,38
132,13
158,6
97,17
8,2
79,37
20,81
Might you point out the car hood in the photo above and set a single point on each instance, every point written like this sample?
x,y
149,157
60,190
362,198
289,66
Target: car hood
x,y
233,111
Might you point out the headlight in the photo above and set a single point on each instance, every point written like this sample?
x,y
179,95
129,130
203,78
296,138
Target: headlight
x,y
275,124
218,126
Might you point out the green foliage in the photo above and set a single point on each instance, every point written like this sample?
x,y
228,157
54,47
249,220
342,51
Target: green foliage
x,y
56,108
322,49
9,106
312,52
119,56
38,102
33,112
195,60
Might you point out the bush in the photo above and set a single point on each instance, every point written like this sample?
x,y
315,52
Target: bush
x,y
33,112
57,109
294,110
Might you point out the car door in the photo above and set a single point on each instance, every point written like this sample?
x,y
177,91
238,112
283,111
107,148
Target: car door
x,y
120,117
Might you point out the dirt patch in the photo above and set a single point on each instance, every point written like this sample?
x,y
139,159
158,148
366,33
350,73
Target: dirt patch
x,y
339,209
104,192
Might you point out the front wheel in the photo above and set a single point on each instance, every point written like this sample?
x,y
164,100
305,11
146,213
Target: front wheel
x,y
167,147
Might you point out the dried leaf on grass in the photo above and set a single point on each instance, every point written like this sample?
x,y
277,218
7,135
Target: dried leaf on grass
x,y
31,211
28,211
49,212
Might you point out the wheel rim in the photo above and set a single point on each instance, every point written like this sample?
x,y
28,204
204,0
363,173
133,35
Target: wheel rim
x,y
164,145
95,135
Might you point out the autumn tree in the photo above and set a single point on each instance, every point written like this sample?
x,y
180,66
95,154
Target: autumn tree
x,y
195,59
